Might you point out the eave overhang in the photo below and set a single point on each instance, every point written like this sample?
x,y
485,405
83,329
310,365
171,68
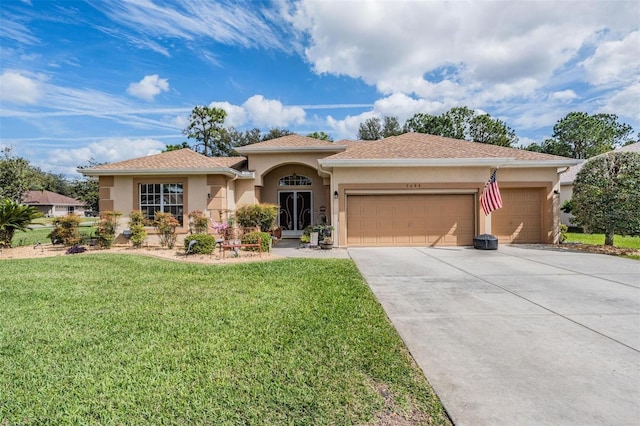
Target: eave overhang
x,y
226,171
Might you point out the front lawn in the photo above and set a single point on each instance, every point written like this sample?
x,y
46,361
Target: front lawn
x,y
40,235
123,339
598,239
619,241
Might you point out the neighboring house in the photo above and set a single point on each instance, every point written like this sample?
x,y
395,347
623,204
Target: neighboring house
x,y
567,178
408,190
52,204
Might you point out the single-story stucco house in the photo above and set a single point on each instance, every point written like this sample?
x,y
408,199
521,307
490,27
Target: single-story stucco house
x,y
408,190
52,204
566,181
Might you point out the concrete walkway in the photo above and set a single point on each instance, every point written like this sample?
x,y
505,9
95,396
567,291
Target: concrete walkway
x,y
292,248
518,336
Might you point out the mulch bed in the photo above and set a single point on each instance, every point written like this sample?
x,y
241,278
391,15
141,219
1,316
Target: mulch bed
x,y
614,251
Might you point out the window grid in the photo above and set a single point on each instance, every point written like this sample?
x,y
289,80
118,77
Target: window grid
x,y
295,180
161,197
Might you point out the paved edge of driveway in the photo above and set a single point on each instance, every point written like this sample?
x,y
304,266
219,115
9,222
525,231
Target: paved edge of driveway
x,y
521,335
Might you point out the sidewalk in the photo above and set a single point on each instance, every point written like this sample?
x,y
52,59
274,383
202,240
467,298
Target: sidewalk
x,y
290,247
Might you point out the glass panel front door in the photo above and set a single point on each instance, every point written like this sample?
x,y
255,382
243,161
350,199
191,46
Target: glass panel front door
x,y
295,212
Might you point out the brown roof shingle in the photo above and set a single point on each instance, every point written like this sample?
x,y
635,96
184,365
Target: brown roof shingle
x,y
182,159
570,175
424,146
292,142
49,198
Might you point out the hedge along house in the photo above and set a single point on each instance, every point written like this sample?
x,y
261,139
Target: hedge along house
x,y
408,190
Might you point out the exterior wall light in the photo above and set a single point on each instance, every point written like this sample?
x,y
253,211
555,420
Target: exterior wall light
x,y
335,195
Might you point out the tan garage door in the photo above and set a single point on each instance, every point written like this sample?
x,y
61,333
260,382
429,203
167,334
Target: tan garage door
x,y
410,220
520,218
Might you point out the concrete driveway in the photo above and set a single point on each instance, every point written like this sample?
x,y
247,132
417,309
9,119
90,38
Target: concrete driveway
x,y
518,336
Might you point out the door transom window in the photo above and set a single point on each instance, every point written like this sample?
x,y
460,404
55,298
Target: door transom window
x,y
295,180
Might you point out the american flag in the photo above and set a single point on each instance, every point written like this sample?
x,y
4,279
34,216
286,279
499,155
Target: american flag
x,y
490,198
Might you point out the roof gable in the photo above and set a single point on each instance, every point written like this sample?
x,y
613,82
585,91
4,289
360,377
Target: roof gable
x,y
49,198
182,160
291,143
570,175
425,146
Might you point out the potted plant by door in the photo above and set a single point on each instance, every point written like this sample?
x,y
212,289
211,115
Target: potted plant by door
x,y
326,243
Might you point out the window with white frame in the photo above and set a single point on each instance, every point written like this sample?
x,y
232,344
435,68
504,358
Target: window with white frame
x,y
161,197
295,180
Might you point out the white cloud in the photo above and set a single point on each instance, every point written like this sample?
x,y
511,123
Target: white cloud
x,y
404,107
397,105
625,103
457,53
236,115
13,29
19,89
563,96
255,111
615,61
347,128
66,161
149,87
267,112
232,23
180,121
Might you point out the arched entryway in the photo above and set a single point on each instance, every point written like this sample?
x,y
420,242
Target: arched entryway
x,y
301,195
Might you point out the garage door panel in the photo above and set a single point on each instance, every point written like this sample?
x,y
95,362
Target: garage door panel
x,y
416,220
520,218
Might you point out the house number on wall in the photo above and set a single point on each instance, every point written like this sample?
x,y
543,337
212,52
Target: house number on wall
x,y
413,185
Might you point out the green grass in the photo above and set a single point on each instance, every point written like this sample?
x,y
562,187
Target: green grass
x,y
598,239
123,339
39,235
49,220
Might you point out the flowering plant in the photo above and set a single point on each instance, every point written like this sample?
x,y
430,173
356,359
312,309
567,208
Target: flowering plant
x,y
219,227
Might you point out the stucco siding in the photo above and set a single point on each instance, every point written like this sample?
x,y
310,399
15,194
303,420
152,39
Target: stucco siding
x,y
448,180
263,163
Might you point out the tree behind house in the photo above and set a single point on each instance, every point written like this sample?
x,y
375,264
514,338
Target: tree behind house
x,y
463,123
205,126
580,135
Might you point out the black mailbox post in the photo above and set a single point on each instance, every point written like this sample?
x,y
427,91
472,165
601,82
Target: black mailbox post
x,y
485,242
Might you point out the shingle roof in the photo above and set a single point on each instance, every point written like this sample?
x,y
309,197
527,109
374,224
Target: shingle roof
x,y
182,159
634,147
570,175
293,143
424,146
49,198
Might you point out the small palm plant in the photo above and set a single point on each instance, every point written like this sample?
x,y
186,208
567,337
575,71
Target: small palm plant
x,y
14,217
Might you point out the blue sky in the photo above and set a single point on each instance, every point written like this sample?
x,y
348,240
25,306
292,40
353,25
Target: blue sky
x,y
112,80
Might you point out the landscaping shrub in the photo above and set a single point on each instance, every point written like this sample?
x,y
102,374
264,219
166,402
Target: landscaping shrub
x,y
166,226
258,215
206,243
563,232
198,222
66,230
138,231
14,217
107,226
254,237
